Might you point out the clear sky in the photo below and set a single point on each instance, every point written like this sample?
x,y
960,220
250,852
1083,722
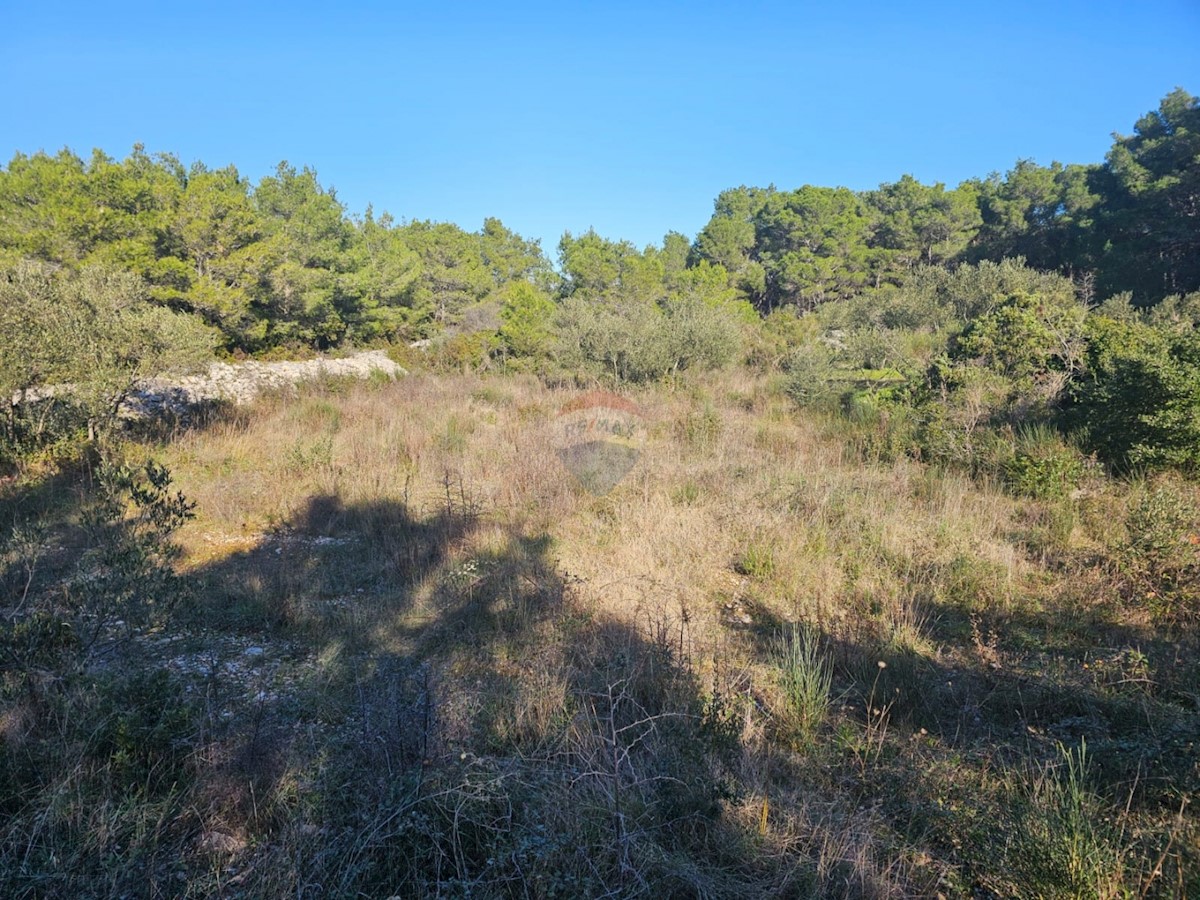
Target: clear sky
x,y
627,117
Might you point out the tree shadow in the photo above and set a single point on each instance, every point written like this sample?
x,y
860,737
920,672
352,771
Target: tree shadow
x,y
45,530
159,415
43,499
1012,704
439,671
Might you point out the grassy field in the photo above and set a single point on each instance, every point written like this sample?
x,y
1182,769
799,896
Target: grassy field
x,y
413,656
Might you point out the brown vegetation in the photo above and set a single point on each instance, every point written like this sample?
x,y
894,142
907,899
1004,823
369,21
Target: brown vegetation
x,y
418,659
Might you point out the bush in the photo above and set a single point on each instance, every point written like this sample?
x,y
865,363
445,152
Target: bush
x,y
810,375
959,408
1043,466
623,339
1161,553
465,352
526,317
73,345
1035,341
123,583
770,344
636,340
700,428
883,424
701,335
1138,404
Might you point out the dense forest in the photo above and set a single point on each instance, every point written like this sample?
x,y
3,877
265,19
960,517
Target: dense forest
x,y
899,594
281,263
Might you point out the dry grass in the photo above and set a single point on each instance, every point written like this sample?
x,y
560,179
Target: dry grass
x,y
485,678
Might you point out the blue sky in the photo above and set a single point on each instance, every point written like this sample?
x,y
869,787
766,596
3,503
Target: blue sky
x,y
626,117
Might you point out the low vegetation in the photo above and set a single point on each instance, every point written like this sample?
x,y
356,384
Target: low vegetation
x,y
402,651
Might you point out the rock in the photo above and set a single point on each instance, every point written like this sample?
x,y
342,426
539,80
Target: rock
x,y
241,383
220,842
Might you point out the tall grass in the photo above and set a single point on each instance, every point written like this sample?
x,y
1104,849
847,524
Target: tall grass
x,y
1069,844
806,679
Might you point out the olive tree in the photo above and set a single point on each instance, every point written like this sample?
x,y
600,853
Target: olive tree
x,y
80,342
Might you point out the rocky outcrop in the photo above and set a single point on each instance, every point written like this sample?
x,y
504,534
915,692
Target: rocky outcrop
x,y
240,383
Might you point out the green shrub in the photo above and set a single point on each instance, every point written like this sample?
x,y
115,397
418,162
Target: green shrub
x,y
958,412
412,359
701,335
1043,466
1161,554
639,340
144,725
73,345
527,316
881,425
458,431
1138,402
123,583
810,375
466,352
776,336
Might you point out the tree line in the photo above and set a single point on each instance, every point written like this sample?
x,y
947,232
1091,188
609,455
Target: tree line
x,y
279,263
1048,291
1128,224
282,263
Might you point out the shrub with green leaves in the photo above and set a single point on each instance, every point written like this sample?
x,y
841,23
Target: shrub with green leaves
x,y
958,407
1161,553
638,340
1140,403
73,345
123,582
1043,466
526,316
810,374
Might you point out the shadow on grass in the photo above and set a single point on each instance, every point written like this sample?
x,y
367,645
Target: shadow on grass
x,y
451,719
1138,711
36,518
42,499
964,754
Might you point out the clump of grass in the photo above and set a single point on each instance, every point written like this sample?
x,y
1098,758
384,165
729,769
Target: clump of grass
x,y
491,395
756,561
1067,846
687,494
700,428
315,457
806,678
454,438
772,439
317,414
